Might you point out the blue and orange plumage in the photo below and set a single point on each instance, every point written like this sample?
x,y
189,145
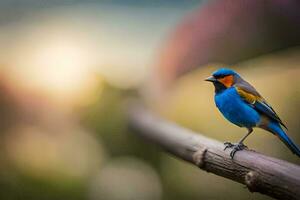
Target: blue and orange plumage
x,y
242,105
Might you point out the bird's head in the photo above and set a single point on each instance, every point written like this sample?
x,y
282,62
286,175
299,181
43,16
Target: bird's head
x,y
222,79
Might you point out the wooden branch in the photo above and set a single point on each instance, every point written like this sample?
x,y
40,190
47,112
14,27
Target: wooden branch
x,y
260,173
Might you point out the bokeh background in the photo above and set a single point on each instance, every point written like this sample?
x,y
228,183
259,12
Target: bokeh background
x,y
68,68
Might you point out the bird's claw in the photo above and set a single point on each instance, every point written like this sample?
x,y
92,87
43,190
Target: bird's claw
x,y
228,145
235,147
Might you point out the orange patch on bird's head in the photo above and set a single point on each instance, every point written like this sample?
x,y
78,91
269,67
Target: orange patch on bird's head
x,y
227,81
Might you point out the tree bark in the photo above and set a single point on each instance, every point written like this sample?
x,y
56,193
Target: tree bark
x,y
270,176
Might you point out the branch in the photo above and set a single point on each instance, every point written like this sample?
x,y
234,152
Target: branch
x,y
260,173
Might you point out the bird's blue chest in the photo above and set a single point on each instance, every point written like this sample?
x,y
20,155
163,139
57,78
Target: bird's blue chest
x,y
235,109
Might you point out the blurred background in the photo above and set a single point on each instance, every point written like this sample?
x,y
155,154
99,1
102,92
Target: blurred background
x,y
68,68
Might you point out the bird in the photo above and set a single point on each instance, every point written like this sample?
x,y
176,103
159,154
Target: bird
x,y
242,105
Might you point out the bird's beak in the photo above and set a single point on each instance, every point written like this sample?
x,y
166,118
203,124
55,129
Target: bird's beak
x,y
211,79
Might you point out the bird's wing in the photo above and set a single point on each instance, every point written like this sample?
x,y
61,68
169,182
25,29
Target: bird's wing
x,y
251,96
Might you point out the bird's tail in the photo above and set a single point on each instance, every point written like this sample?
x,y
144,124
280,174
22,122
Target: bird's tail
x,y
275,128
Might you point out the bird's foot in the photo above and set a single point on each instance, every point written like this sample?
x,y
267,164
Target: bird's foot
x,y
235,147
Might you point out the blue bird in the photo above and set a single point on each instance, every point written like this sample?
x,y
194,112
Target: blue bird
x,y
243,106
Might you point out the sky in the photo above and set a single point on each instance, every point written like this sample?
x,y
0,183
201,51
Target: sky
x,y
55,45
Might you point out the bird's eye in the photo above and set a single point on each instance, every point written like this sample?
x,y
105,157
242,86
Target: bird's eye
x,y
220,76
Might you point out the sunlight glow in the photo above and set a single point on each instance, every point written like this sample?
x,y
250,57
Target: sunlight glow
x,y
60,53
60,66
